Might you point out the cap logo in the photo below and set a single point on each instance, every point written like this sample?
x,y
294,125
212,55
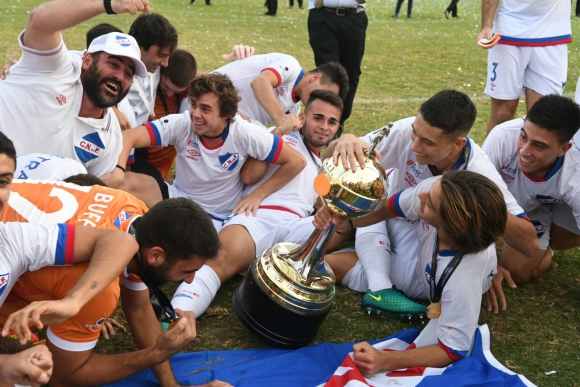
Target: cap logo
x,y
124,41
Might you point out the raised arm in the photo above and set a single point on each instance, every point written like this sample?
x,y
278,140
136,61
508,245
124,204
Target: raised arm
x,y
48,19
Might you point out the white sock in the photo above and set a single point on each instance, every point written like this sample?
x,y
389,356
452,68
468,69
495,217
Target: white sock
x,y
196,296
374,252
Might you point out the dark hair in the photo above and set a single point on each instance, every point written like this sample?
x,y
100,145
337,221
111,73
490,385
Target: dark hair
x,y
220,85
7,147
85,180
333,73
556,114
451,111
152,29
327,96
473,211
181,228
100,30
182,68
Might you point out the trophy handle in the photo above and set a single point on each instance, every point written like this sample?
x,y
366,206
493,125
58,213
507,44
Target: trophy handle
x,y
383,132
312,255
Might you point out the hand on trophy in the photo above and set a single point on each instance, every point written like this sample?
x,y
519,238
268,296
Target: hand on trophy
x,y
352,152
324,217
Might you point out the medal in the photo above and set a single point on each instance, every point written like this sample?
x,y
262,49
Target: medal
x,y
434,310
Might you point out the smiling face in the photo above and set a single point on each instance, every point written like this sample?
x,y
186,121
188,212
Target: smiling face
x,y
106,78
538,150
7,167
432,147
155,57
321,121
206,120
429,208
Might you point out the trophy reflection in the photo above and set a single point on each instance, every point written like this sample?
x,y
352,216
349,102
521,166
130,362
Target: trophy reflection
x,y
288,291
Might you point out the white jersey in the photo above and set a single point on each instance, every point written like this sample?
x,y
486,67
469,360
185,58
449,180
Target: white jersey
x,y
39,166
461,297
396,153
20,251
243,72
533,23
142,95
560,185
211,176
53,126
298,195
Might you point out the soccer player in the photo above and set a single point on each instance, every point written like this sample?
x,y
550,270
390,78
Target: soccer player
x,y
166,253
462,214
271,87
212,145
541,167
419,147
281,216
77,120
531,56
171,98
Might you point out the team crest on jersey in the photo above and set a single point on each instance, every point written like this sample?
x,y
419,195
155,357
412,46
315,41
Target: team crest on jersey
x,y
229,161
540,228
97,325
4,281
546,199
123,216
89,147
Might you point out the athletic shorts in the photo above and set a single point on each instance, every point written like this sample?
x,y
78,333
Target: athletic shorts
x,y
511,68
79,333
274,226
543,217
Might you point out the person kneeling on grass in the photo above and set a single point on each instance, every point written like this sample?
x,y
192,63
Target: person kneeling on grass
x,y
462,214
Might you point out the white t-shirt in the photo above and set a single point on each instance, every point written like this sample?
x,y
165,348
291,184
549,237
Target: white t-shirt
x,y
211,176
53,126
39,166
20,250
298,195
243,72
461,297
396,153
142,95
561,184
534,23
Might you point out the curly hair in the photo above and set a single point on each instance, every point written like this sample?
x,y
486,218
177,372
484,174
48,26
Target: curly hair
x,y
222,87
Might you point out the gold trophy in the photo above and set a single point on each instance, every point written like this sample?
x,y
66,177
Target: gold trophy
x,y
288,290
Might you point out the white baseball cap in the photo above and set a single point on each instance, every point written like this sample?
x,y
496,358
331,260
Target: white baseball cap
x,y
116,43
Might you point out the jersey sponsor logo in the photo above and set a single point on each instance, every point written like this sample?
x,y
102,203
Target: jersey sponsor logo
x,y
546,199
89,147
507,178
410,179
509,169
425,224
229,161
61,99
4,281
193,154
193,144
417,173
97,325
123,216
540,228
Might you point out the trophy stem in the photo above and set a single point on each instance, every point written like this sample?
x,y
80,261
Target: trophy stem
x,y
311,254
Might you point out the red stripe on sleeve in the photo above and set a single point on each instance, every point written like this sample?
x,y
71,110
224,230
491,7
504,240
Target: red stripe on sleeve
x,y
69,251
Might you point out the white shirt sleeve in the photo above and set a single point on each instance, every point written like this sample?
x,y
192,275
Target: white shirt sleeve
x,y
169,130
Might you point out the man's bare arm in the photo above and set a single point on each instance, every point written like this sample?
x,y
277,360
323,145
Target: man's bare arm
x,y
48,19
488,11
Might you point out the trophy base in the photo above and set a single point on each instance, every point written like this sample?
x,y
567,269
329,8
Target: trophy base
x,y
271,321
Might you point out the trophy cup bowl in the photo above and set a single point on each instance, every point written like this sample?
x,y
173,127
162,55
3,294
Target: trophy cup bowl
x,y
288,291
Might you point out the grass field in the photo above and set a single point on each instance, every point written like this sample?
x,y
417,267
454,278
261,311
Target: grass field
x,y
406,61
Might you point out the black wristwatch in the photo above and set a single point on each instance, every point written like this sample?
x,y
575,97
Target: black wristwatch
x,y
108,7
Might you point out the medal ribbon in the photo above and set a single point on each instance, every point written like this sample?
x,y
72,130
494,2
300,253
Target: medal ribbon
x,y
437,289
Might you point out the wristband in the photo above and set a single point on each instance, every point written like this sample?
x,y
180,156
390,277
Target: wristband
x,y
109,11
120,167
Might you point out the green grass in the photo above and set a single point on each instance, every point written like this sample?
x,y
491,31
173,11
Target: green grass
x,y
406,61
